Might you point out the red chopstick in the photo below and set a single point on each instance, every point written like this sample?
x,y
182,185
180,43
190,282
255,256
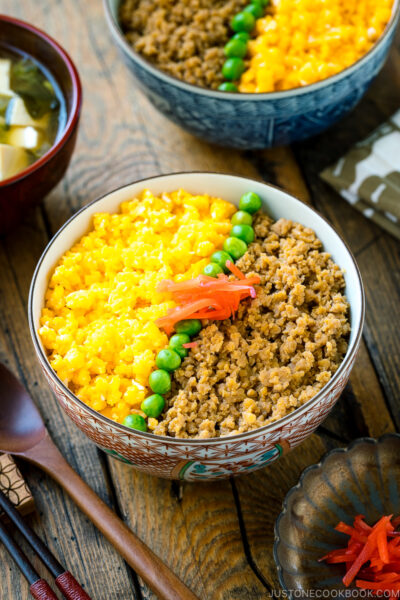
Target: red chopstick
x,y
64,580
39,588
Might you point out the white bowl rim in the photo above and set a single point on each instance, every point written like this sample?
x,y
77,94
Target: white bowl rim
x,y
351,351
195,89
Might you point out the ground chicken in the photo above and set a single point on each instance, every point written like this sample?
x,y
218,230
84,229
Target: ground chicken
x,y
185,38
280,351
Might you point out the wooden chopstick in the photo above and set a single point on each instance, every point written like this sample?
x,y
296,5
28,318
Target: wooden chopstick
x,y
39,588
64,580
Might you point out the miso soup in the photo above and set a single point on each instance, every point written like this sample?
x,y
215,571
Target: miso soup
x,y
32,112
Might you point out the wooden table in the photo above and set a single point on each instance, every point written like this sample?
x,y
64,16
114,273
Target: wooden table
x,y
217,537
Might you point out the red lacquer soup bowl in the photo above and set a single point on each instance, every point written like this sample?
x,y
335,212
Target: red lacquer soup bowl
x,y
27,188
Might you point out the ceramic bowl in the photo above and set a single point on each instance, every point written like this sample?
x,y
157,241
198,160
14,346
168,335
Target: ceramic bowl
x,y
252,121
218,457
361,479
28,187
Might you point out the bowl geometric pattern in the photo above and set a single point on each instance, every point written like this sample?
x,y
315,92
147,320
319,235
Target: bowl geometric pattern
x,y
361,479
245,124
186,459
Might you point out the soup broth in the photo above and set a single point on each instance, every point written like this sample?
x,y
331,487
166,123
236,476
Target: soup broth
x,y
32,112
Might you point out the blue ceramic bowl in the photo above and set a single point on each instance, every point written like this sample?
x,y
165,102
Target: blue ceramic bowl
x,y
361,479
252,121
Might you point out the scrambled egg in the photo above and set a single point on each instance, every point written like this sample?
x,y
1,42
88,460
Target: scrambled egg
x,y
97,323
303,41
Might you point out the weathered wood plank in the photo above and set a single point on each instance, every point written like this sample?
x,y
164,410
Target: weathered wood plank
x,y
197,536
279,166
261,495
371,414
383,313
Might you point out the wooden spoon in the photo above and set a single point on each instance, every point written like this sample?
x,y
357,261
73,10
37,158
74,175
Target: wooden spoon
x,y
22,433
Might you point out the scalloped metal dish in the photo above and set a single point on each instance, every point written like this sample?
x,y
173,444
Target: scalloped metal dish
x,y
363,478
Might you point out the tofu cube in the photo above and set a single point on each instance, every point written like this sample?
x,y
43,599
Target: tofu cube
x,y
18,115
12,161
24,137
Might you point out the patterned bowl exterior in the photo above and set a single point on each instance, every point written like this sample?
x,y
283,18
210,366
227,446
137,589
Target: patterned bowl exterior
x,y
251,121
184,459
361,479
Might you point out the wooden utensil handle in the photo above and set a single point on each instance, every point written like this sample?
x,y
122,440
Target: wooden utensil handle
x,y
42,591
146,564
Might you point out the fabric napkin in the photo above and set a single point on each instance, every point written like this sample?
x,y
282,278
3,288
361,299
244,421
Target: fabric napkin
x,y
368,176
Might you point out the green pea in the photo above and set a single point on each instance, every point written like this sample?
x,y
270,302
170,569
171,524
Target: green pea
x,y
220,257
168,360
160,381
264,2
189,326
250,202
243,36
235,247
176,343
228,86
153,405
233,68
235,48
243,21
212,270
243,232
254,9
242,218
135,422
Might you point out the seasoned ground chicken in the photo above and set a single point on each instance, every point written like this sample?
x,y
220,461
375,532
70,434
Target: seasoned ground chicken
x,y
185,38
280,351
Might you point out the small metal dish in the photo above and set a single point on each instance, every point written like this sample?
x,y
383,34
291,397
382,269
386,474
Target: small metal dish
x,y
361,479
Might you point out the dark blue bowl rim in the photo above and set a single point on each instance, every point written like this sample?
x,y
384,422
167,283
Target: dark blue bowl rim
x,y
299,484
217,95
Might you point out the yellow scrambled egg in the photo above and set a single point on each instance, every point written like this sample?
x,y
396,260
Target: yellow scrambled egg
x,y
303,41
97,324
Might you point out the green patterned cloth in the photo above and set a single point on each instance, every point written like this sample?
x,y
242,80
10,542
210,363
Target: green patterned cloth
x,y
368,176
